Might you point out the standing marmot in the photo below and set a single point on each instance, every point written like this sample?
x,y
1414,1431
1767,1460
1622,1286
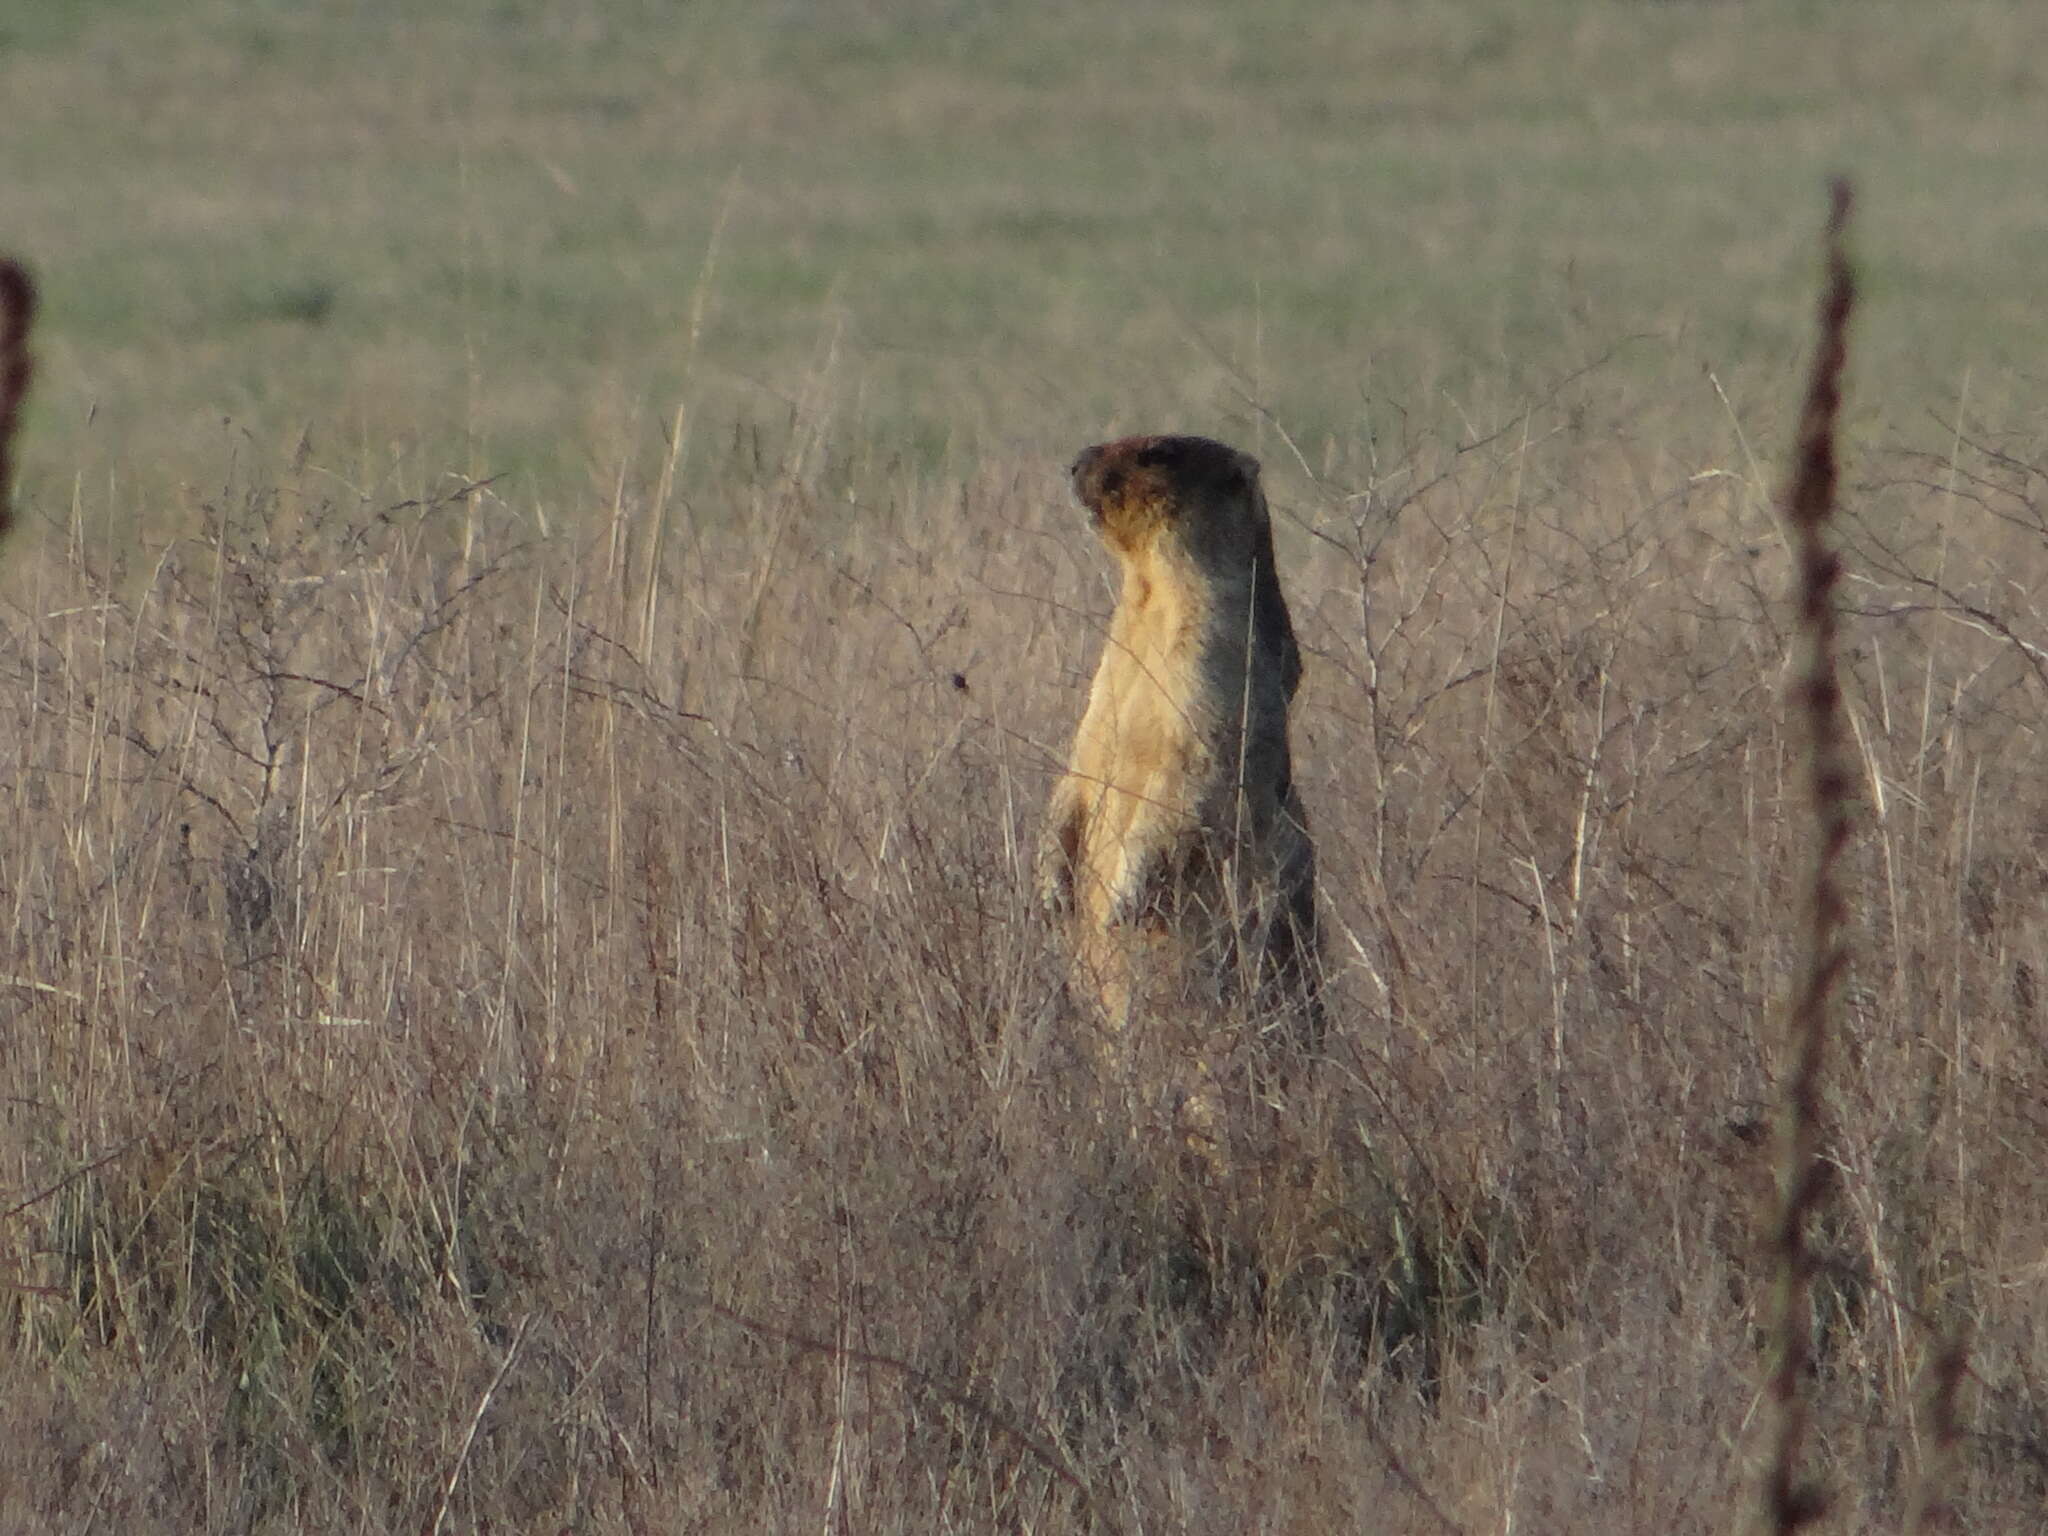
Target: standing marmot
x,y
1175,842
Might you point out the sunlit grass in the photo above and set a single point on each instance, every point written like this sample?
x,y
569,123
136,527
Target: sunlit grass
x,y
544,613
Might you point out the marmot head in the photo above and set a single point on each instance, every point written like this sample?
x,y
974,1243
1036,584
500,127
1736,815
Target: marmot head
x,y
1203,493
1204,496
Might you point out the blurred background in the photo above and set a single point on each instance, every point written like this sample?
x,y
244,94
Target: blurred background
x,y
515,237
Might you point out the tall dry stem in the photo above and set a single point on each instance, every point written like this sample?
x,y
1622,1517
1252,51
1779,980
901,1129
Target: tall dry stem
x,y
1790,1501
1942,1380
17,311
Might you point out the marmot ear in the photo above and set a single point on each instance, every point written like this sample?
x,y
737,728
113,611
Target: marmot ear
x,y
1248,467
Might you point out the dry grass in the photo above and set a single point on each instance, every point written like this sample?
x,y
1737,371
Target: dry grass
x,y
521,1007
550,1032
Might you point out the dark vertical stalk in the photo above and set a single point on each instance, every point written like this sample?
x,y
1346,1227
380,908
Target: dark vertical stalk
x,y
17,313
1943,1380
1789,1500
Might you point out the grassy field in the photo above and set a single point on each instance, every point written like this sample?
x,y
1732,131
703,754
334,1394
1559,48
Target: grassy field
x,y
522,1009
485,234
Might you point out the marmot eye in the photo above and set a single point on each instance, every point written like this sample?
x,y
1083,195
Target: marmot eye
x,y
1111,484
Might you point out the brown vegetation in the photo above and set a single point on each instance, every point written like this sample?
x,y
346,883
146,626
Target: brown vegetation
x,y
506,1031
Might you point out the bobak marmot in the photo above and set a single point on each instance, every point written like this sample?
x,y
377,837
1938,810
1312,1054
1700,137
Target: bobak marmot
x,y
1175,844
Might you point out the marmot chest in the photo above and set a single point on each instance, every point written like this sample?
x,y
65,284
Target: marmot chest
x,y
1167,709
